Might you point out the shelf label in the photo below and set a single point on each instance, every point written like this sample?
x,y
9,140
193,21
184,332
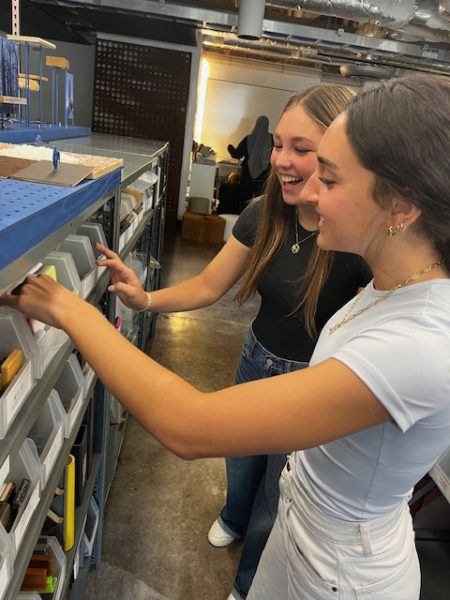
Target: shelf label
x,y
88,283
4,576
26,516
19,389
53,453
89,377
4,471
76,410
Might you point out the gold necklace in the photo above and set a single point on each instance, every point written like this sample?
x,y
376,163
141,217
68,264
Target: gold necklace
x,y
349,316
295,248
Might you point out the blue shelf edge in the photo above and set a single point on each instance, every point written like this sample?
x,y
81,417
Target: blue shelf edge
x,y
47,132
30,212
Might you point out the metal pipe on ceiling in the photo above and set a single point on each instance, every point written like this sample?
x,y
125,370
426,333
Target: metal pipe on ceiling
x,y
250,20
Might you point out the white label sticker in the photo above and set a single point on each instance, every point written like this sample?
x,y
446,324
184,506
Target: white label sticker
x,y
4,579
26,516
53,453
15,397
76,411
4,471
88,283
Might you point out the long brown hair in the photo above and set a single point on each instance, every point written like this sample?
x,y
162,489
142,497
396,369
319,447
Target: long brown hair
x,y
406,145
322,103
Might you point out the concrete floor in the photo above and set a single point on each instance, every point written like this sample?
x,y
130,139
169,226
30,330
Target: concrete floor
x,y
160,507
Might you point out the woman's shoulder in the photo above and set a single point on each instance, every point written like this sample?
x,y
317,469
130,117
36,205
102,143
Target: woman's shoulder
x,y
245,227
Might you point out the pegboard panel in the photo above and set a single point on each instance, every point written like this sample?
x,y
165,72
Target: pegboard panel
x,y
141,91
30,212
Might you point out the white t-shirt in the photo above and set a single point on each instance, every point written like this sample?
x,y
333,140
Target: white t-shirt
x,y
400,348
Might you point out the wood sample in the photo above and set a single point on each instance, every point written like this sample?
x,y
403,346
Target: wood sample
x,y
57,61
12,100
99,165
42,172
10,165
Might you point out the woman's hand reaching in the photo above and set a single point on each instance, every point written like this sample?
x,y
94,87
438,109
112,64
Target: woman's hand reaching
x,y
40,297
124,281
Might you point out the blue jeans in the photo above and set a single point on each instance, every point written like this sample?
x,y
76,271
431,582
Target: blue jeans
x,y
253,493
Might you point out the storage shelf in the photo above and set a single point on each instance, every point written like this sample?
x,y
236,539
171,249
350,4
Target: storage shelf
x,y
136,234
37,522
34,219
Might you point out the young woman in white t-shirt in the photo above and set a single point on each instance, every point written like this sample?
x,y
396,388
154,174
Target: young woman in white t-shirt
x,y
371,414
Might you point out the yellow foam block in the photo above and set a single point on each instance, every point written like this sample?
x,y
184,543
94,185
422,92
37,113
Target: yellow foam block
x,y
50,270
11,366
57,61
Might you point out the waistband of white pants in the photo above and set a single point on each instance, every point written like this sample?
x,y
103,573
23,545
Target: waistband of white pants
x,y
340,530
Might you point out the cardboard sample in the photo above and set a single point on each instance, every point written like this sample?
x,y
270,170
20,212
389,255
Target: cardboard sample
x,y
10,165
43,172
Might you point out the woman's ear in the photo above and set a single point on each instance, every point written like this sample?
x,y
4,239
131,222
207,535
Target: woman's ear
x,y
404,211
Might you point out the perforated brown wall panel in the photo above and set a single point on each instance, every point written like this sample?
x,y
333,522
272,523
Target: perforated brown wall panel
x,y
142,91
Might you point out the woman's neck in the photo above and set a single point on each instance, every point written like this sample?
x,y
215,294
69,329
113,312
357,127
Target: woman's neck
x,y
307,217
419,262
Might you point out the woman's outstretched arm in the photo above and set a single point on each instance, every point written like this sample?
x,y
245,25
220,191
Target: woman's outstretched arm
x,y
293,411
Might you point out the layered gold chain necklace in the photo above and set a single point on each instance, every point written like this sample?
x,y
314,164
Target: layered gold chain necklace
x,y
350,315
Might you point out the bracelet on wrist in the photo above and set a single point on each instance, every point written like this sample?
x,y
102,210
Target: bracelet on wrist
x,y
149,303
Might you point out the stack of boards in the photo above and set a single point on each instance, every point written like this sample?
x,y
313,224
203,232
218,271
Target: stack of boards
x,y
35,163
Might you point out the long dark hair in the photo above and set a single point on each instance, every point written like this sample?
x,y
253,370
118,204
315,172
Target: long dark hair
x,y
400,130
322,103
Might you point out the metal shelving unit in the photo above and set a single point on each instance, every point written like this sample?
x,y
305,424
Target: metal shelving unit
x,y
36,232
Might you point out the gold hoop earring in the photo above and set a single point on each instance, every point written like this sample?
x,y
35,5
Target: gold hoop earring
x,y
394,230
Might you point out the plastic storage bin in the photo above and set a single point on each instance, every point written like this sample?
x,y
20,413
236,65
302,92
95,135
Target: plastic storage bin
x,y
79,451
66,270
91,526
23,466
70,389
50,545
48,434
15,333
81,249
6,562
145,184
95,233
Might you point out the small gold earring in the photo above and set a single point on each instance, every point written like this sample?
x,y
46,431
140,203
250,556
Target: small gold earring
x,y
393,230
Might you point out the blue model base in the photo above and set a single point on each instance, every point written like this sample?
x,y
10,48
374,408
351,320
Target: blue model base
x,y
22,135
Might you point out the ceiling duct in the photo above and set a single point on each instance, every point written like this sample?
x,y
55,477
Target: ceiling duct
x,y
419,18
250,20
372,71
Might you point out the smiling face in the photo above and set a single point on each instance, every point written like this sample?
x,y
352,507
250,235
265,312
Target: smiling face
x,y
350,219
294,156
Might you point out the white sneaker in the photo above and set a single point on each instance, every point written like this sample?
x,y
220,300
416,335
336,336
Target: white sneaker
x,y
218,537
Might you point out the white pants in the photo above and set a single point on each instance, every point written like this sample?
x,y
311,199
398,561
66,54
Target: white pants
x,y
311,556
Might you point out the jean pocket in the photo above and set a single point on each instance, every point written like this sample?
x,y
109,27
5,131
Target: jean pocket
x,y
307,584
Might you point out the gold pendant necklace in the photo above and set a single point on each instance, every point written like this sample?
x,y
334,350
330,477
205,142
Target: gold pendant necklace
x,y
295,248
350,315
